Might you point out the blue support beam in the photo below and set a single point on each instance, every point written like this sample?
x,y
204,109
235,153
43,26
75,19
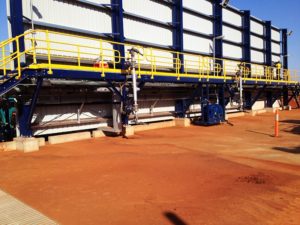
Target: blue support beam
x,y
177,21
221,96
27,111
246,37
284,47
268,40
218,29
16,20
118,28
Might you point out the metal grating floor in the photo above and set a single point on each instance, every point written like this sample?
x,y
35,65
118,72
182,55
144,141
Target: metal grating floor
x,y
14,212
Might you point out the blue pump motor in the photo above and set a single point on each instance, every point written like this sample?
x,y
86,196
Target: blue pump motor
x,y
213,114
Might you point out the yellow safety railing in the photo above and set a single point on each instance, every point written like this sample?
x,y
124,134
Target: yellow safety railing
x,y
54,50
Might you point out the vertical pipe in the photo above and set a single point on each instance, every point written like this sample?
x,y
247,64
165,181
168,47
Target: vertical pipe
x,y
276,130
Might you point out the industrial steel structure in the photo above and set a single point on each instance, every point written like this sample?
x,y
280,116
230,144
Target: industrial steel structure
x,y
85,64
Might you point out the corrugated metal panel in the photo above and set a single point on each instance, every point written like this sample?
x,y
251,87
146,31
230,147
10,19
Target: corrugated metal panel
x,y
257,42
197,44
156,106
232,51
275,58
69,46
70,14
275,35
98,1
232,34
276,48
257,56
197,24
202,6
256,27
146,32
47,114
150,9
231,17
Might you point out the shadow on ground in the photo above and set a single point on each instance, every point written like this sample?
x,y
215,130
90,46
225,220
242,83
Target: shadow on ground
x,y
295,129
295,150
174,219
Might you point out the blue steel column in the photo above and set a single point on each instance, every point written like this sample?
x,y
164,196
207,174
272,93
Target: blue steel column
x,y
246,37
268,40
284,43
218,30
118,28
177,21
27,111
284,47
16,20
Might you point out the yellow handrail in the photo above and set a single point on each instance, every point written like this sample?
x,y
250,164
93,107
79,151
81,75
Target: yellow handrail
x,y
46,49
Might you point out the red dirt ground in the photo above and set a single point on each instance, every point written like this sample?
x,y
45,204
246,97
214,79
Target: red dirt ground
x,y
227,174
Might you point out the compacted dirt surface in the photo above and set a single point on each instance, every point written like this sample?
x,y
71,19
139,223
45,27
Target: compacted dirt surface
x,y
230,174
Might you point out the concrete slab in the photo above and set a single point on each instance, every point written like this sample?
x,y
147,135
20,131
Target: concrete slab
x,y
97,133
13,212
128,131
257,112
9,146
58,139
27,144
153,126
182,122
41,141
233,115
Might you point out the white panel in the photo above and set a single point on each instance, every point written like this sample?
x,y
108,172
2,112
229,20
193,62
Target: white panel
x,y
275,58
232,51
141,31
150,9
197,24
276,48
198,44
69,46
99,1
275,35
257,56
231,17
257,42
232,34
157,57
202,6
257,27
69,14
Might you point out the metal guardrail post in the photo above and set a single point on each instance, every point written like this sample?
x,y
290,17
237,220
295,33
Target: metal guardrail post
x,y
4,60
48,53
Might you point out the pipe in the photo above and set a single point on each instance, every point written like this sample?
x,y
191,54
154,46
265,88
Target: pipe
x,y
241,93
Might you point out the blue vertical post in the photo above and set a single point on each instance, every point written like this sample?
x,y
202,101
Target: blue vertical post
x,y
221,93
284,42
118,29
268,41
16,20
177,21
17,27
247,39
284,47
27,111
218,29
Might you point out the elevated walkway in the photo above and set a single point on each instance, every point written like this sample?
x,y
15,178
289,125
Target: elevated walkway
x,y
49,54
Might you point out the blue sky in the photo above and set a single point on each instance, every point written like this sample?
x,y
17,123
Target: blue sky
x,y
282,13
